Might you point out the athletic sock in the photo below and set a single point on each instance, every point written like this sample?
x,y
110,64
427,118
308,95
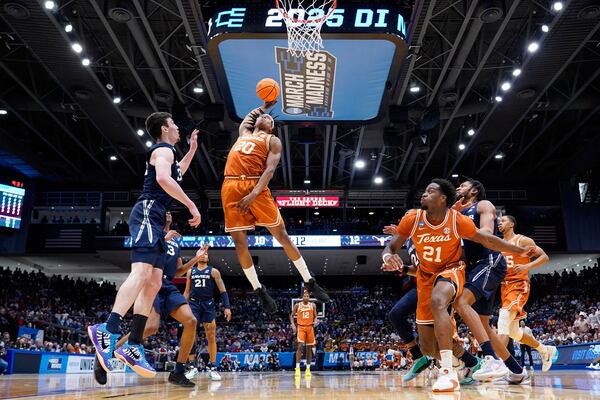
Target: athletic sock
x,y
252,277
415,352
513,365
113,324
308,366
468,359
179,368
446,359
138,324
487,349
303,269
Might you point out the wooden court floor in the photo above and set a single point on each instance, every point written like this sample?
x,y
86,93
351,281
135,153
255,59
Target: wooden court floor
x,y
576,385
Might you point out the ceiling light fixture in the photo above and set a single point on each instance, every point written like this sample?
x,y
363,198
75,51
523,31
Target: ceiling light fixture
x,y
471,132
116,100
461,146
140,132
516,72
545,28
533,47
77,48
498,99
360,164
85,62
68,28
505,86
113,158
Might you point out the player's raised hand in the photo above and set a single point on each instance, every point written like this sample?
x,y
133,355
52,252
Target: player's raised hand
x,y
194,140
390,229
269,104
195,220
245,202
172,234
203,249
227,314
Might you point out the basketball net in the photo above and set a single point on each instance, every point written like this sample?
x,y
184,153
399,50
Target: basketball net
x,y
303,20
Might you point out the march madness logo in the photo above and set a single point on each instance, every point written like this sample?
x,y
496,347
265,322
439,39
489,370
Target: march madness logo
x,y
307,82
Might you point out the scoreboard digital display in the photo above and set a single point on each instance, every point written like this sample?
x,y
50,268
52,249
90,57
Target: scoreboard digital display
x,y
11,206
364,47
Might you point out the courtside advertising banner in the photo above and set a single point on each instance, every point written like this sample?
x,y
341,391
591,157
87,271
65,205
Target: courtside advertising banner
x,y
307,201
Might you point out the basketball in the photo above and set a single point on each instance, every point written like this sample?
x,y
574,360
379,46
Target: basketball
x,y
267,89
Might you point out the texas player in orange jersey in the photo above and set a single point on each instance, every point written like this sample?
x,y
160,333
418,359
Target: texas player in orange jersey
x,y
436,232
306,315
247,200
515,290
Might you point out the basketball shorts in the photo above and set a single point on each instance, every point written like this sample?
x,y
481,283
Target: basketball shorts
x,y
262,212
514,296
306,334
455,274
168,299
204,310
484,279
146,227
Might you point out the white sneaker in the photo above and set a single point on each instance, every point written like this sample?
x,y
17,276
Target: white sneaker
x,y
192,373
596,367
213,375
591,366
447,381
547,357
517,379
490,369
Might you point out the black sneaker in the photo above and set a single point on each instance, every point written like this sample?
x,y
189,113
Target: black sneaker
x,y
317,291
99,372
268,304
180,380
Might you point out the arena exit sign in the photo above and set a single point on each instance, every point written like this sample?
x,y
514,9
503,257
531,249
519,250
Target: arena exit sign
x,y
307,201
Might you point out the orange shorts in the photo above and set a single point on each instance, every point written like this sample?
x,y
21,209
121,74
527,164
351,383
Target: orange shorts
x,y
514,296
306,334
262,212
425,283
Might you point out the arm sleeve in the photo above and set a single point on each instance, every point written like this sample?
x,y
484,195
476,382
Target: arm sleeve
x,y
465,227
406,224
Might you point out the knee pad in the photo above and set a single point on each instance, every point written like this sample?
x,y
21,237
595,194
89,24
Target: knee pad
x,y
515,331
505,319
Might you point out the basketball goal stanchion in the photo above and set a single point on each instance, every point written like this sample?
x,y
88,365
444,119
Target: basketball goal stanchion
x,y
304,20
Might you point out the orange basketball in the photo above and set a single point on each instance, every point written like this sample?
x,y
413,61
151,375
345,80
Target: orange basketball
x,y
267,89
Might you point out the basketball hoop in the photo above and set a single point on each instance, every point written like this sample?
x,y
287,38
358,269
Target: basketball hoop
x,y
303,20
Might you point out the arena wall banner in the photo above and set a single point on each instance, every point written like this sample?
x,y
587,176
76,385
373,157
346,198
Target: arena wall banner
x,y
32,333
286,359
307,201
29,362
341,358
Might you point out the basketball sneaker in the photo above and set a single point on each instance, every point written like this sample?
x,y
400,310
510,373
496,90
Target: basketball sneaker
x,y
468,376
317,291
547,357
419,365
517,379
447,381
135,358
307,373
104,342
180,380
192,373
268,304
213,375
99,372
297,373
491,368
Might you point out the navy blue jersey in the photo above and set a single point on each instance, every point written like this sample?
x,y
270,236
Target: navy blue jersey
x,y
412,252
202,283
172,255
152,190
474,251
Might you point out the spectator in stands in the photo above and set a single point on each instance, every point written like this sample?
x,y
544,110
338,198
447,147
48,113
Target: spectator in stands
x,y
3,362
582,324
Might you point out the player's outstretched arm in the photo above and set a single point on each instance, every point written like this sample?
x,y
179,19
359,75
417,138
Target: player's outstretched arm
x,y
272,161
247,125
493,242
540,255
182,268
216,275
184,164
162,159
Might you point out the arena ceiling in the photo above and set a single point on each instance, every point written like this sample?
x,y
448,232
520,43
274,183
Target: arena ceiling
x,y
62,119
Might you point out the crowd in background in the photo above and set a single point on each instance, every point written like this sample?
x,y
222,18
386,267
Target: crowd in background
x,y
564,308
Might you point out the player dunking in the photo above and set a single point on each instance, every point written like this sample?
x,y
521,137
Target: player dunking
x,y
161,186
199,290
247,200
168,302
515,291
486,269
436,232
306,315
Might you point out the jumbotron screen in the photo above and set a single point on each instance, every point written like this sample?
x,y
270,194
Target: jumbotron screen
x,y
11,206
